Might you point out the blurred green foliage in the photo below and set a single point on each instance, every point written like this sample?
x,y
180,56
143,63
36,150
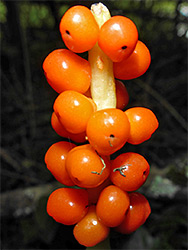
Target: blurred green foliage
x,y
3,12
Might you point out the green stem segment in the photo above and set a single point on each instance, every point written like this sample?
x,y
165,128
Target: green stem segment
x,y
103,90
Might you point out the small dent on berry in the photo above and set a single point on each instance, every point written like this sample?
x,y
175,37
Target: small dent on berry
x,y
124,47
112,136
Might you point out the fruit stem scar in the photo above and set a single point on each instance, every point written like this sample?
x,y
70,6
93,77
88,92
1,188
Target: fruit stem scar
x,y
103,90
120,169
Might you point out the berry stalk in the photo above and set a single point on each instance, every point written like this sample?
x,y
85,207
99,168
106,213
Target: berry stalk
x,y
103,90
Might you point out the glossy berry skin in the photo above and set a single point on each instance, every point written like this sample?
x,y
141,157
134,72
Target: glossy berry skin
x,y
55,161
108,130
143,124
68,205
112,205
122,95
139,210
86,168
64,70
129,171
90,231
134,66
73,111
61,131
118,37
78,29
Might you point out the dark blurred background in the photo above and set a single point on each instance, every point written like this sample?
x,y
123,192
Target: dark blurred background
x,y
29,32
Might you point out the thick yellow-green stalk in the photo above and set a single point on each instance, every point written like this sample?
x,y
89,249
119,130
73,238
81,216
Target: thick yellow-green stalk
x,y
102,84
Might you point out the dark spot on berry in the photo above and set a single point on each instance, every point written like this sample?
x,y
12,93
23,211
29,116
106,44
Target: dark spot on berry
x,y
68,33
144,173
124,47
112,136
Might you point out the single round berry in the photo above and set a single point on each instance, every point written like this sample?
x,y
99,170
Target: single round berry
x,y
73,110
68,205
86,168
143,124
134,66
90,231
112,205
78,29
65,70
108,130
118,37
129,171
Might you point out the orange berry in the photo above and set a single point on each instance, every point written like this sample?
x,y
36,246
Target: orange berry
x,y
136,215
65,70
121,95
134,66
61,131
143,124
73,111
86,168
55,161
112,205
118,37
68,205
108,130
129,171
78,28
90,231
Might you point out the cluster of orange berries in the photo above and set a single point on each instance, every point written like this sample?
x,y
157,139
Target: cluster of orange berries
x,y
104,196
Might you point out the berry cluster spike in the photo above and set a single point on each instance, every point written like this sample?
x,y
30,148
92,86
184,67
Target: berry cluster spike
x,y
98,193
